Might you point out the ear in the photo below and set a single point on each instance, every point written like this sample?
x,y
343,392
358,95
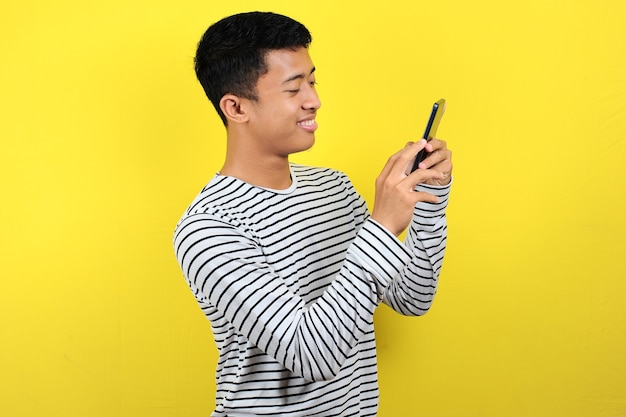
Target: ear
x,y
232,109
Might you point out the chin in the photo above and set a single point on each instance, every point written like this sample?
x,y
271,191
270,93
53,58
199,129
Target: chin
x,y
302,146
309,145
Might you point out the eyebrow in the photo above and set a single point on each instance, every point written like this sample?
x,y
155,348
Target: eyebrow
x,y
298,76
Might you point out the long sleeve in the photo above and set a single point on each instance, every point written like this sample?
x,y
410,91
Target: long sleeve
x,y
290,280
253,272
412,292
231,274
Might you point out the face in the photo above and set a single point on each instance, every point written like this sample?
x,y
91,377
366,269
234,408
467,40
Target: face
x,y
282,119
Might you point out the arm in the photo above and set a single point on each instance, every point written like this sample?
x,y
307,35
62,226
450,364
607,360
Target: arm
x,y
227,270
413,291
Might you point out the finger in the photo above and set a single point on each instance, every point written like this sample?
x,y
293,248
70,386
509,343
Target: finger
x,y
411,149
398,162
435,144
439,154
437,160
423,175
390,162
406,157
422,196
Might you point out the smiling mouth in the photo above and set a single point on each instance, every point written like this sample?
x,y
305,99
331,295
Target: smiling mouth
x,y
308,125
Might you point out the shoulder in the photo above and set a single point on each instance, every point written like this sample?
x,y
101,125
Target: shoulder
x,y
222,193
311,175
224,201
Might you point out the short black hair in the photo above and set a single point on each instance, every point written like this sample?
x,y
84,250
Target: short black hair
x,y
230,56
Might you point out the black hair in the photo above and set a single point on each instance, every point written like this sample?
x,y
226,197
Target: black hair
x,y
231,54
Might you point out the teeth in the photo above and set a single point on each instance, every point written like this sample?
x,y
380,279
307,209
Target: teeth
x,y
307,122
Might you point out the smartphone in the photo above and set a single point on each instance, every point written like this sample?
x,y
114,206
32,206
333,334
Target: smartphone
x,y
431,129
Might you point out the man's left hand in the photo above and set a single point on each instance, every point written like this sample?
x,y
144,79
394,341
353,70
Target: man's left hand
x,y
440,159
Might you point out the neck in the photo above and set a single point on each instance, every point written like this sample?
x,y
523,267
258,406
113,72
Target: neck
x,y
257,169
274,177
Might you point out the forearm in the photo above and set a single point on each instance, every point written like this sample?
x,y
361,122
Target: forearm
x,y
413,291
312,340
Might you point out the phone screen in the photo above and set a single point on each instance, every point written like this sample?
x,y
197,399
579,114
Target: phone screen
x,y
431,129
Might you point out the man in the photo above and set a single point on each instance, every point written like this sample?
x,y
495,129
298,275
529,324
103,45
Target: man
x,y
285,260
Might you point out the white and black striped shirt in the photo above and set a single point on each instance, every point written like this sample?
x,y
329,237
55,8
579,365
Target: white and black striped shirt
x,y
290,280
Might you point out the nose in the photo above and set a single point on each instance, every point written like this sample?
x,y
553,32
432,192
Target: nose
x,y
312,100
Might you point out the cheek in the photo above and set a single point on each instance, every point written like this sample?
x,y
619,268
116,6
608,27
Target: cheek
x,y
283,118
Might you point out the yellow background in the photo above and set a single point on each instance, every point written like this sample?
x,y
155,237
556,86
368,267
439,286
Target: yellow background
x,y
106,137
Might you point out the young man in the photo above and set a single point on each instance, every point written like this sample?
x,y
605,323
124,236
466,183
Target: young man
x,y
285,260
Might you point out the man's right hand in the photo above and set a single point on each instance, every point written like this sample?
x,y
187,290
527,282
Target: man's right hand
x,y
395,196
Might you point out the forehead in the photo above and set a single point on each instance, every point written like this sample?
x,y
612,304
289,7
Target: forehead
x,y
284,64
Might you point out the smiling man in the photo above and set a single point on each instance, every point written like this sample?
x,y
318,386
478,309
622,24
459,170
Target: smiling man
x,y
285,260
278,121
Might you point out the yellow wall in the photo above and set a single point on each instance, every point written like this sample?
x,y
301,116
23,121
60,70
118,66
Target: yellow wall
x,y
106,136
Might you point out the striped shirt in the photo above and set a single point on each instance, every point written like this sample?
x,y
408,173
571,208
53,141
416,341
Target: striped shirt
x,y
290,279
